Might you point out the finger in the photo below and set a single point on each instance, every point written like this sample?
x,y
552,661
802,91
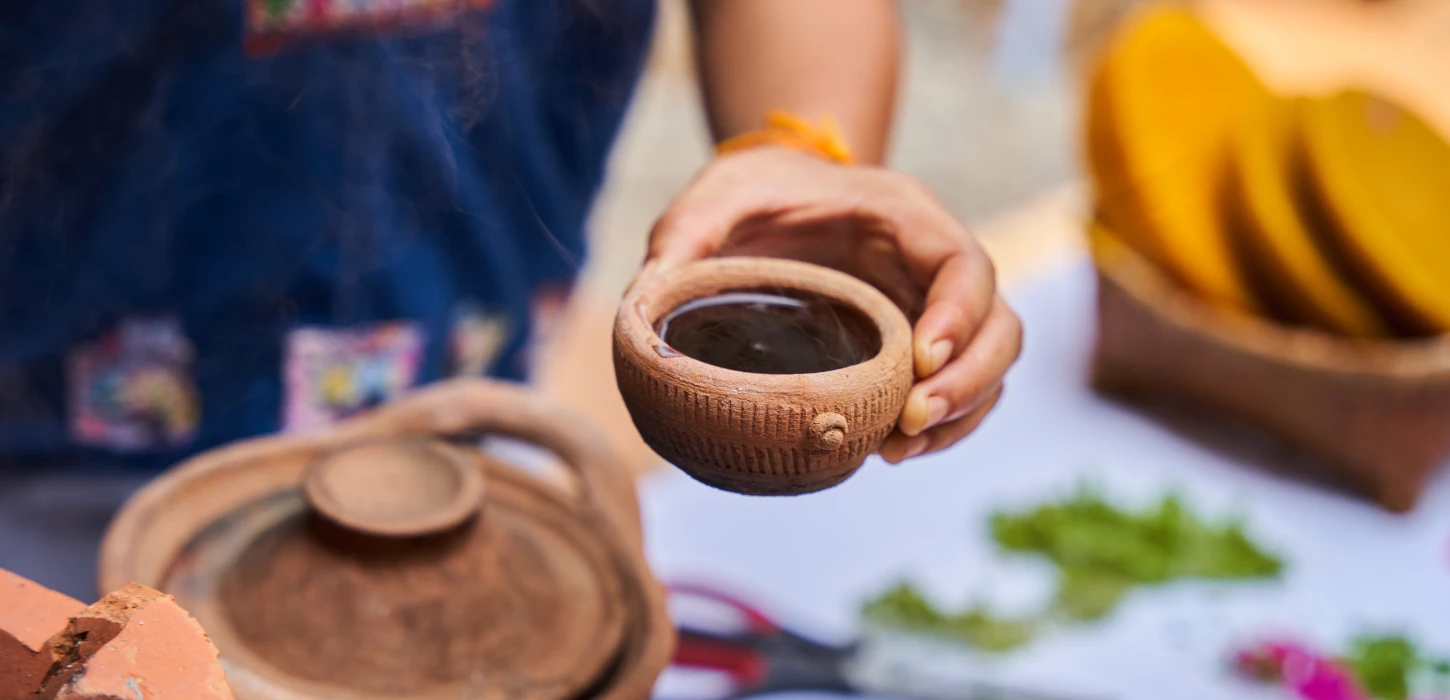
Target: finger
x,y
964,383
960,297
649,270
688,231
950,433
936,246
702,218
900,447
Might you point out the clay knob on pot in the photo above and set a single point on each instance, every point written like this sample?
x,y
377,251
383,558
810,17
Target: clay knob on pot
x,y
395,488
762,376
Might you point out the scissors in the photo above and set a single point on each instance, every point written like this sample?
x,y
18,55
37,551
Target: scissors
x,y
761,657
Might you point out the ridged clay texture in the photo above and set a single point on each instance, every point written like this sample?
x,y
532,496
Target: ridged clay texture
x,y
759,434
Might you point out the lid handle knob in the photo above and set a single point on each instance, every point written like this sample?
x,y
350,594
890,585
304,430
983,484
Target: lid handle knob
x,y
396,488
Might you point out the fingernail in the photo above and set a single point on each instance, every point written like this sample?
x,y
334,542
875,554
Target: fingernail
x,y
940,351
936,410
915,446
915,414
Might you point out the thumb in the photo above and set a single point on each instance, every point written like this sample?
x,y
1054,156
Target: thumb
x,y
699,222
650,269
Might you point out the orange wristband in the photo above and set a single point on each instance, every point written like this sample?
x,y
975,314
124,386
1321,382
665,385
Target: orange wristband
x,y
785,129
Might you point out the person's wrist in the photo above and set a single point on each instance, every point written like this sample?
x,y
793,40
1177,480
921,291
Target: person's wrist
x,y
785,130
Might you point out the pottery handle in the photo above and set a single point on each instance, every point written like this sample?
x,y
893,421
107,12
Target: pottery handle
x,y
479,406
828,431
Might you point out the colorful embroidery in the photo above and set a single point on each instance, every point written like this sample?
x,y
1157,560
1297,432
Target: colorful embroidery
x,y
274,22
476,340
334,373
132,389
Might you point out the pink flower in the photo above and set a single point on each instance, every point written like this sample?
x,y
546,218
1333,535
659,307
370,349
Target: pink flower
x,y
1267,660
1309,675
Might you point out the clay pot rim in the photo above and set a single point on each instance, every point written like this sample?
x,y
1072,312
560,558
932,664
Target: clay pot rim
x,y
463,505
1303,349
655,296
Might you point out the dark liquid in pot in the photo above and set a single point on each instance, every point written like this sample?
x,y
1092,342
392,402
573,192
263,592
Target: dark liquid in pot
x,y
771,333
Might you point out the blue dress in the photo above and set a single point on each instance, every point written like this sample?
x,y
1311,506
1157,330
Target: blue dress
x,y
221,218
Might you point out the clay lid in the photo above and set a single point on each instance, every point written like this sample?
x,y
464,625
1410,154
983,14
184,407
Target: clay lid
x,y
397,488
387,560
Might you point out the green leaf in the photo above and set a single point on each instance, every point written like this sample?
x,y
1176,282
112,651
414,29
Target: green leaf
x,y
1102,552
1162,543
988,632
1085,595
904,607
1384,665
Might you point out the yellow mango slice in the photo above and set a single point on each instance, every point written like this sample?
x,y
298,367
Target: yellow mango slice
x,y
1382,177
1106,247
1290,266
1160,108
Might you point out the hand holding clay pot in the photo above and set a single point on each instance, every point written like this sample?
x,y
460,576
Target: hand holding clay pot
x,y
762,376
881,227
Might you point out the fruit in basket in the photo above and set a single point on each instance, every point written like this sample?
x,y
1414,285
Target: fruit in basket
x,y
1162,104
1326,212
1334,209
1277,239
1382,176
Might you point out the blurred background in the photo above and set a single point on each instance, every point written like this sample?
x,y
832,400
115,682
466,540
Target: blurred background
x,y
986,116
1037,553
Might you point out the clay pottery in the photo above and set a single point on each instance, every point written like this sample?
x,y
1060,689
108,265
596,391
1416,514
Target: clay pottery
x,y
134,641
1375,414
389,557
790,418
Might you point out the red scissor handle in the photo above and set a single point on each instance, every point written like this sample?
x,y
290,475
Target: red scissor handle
x,y
757,620
746,667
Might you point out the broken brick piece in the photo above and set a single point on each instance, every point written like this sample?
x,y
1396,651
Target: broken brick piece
x,y
29,615
135,644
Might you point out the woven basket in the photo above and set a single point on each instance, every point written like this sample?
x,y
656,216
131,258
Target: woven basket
x,y
1377,413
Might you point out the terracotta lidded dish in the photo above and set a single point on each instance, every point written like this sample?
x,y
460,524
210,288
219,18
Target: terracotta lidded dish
x,y
762,376
391,558
396,488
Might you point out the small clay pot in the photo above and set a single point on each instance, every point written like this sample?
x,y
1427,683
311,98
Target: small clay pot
x,y
389,557
758,433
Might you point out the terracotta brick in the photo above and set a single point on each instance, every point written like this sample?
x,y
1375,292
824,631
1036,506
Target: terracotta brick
x,y
135,644
29,615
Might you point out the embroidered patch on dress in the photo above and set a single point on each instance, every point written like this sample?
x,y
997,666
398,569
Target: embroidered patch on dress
x,y
476,340
333,373
273,24
132,389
